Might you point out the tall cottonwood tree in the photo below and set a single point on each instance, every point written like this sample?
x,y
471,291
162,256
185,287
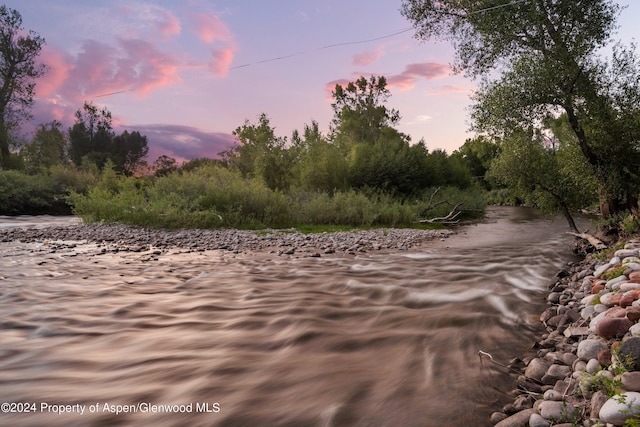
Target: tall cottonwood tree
x,y
18,71
545,56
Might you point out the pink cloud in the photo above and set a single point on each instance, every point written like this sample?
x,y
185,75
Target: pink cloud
x,y
134,65
210,28
366,58
58,69
221,61
167,24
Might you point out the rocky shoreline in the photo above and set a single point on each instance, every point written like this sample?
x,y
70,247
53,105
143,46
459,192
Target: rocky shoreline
x,y
124,238
587,368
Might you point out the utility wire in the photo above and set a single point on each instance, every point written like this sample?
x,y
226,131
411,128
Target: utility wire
x,y
278,58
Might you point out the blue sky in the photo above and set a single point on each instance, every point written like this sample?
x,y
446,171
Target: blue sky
x,y
187,73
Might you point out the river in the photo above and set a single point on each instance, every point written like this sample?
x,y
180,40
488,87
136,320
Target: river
x,y
378,339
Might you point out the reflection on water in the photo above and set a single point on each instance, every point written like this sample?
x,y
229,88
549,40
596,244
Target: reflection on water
x,y
372,340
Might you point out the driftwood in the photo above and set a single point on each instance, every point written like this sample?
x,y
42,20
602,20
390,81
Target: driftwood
x,y
449,219
594,241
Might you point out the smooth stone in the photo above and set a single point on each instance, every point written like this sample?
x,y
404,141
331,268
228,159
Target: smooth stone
x,y
631,260
552,395
634,275
589,348
631,381
632,266
555,373
635,330
587,312
592,366
606,299
597,400
600,308
496,417
588,300
554,297
552,410
629,286
633,313
614,283
620,408
601,269
624,253
536,420
629,353
536,369
604,357
612,327
519,419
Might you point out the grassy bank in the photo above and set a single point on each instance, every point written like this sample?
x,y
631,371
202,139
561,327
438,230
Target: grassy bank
x,y
214,197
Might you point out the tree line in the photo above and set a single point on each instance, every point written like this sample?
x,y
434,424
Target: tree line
x,y
557,123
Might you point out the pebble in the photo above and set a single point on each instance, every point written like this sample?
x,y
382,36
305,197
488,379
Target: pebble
x,y
121,237
592,334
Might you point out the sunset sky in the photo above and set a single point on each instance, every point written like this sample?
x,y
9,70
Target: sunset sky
x,y
187,73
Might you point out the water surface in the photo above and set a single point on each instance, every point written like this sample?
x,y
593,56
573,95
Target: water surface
x,y
380,339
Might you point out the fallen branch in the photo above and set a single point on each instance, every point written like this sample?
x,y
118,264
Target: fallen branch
x,y
449,219
594,241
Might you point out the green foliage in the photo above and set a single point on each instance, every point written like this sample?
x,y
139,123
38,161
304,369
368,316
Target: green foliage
x,y
30,194
614,272
213,196
46,149
548,56
546,177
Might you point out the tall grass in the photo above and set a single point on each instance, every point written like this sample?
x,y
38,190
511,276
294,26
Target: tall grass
x,y
215,197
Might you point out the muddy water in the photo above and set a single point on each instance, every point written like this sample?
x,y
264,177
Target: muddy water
x,y
260,340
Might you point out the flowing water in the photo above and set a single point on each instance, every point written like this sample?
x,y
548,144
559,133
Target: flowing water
x,y
379,339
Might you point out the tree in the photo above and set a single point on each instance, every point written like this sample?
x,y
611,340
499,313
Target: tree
x,y
260,153
91,135
477,154
18,71
546,53
128,150
47,148
546,175
359,111
164,165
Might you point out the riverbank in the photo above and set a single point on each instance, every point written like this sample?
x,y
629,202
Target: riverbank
x,y
123,238
587,367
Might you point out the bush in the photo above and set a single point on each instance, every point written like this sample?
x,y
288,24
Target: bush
x,y
22,194
213,197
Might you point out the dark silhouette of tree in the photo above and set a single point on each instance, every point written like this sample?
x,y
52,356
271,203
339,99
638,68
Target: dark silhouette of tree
x,y
18,72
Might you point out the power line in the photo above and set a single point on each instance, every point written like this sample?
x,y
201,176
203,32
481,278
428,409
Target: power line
x,y
278,58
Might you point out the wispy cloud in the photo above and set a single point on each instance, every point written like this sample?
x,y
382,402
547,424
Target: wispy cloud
x,y
366,58
404,80
413,72
210,28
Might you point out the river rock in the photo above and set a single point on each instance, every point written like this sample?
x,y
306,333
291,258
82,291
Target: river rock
x,y
629,353
631,381
520,419
555,373
555,411
612,327
625,253
536,420
589,348
536,369
620,408
597,400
